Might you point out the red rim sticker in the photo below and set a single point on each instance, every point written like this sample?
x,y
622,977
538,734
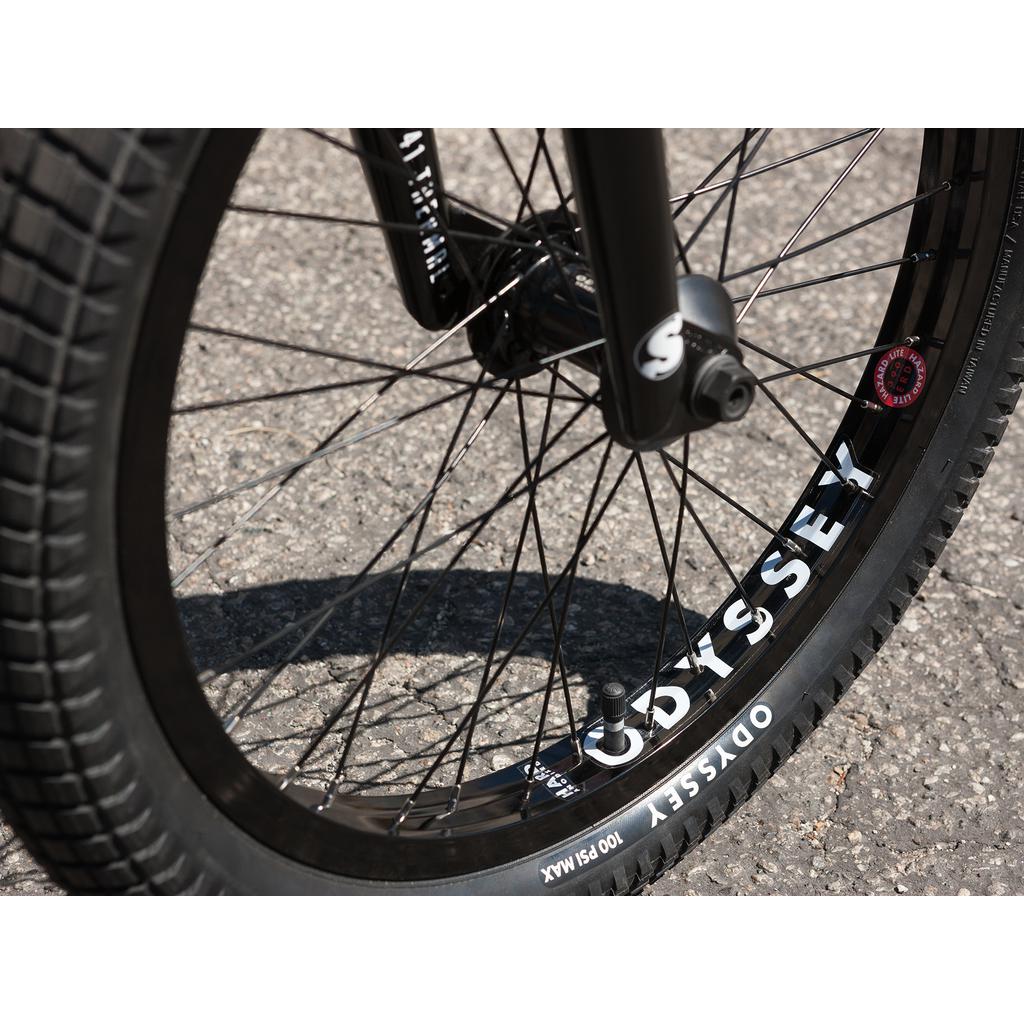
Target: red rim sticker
x,y
899,377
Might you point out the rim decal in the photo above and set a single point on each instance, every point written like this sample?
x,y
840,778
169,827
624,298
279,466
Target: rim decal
x,y
818,526
899,377
834,502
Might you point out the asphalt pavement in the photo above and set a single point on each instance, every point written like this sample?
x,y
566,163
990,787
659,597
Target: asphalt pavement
x,y
913,785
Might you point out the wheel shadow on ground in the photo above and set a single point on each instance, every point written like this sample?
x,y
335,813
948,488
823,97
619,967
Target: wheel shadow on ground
x,y
611,631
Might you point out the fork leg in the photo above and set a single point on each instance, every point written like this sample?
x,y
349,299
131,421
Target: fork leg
x,y
411,192
622,193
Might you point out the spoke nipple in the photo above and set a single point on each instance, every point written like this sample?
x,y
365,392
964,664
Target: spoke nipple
x,y
328,799
524,803
402,815
453,801
289,778
871,406
230,723
852,487
692,661
613,711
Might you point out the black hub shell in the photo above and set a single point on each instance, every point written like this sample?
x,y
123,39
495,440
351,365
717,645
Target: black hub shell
x,y
553,308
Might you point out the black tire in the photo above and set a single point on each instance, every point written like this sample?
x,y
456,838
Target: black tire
x,y
88,777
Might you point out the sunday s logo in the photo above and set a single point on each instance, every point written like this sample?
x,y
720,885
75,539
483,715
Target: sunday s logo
x,y
661,351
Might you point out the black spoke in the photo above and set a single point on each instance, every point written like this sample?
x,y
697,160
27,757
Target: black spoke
x,y
411,369
273,396
727,183
671,460
734,190
722,560
384,225
793,369
578,392
824,362
364,579
314,389
243,707
835,236
665,560
687,198
390,167
841,275
453,800
563,197
795,424
388,639
439,760
321,452
524,203
670,574
444,474
556,651
816,209
717,204
531,511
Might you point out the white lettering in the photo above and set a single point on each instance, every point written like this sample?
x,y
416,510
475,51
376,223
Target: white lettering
x,y
812,525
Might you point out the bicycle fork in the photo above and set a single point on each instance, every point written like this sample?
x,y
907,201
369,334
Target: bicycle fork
x,y
669,361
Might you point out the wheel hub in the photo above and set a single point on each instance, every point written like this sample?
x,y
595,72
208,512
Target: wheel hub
x,y
547,309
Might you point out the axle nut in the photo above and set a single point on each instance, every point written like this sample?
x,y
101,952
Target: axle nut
x,y
724,389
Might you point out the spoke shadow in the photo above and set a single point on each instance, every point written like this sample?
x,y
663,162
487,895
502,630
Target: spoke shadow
x,y
611,631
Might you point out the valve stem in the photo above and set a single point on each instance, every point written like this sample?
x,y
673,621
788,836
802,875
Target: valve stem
x,y
613,711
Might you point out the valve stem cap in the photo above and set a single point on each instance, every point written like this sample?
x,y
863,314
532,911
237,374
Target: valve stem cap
x,y
613,711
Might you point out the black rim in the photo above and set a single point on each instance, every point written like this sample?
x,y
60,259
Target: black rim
x,y
965,179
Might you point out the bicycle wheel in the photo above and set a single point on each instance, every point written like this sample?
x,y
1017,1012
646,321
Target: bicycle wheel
x,y
300,597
